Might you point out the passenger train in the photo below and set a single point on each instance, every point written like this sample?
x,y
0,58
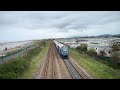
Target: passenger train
x,y
62,49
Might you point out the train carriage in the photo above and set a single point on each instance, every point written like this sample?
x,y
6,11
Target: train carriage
x,y
62,49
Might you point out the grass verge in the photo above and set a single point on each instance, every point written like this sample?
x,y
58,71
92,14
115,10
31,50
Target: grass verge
x,y
96,69
27,63
34,64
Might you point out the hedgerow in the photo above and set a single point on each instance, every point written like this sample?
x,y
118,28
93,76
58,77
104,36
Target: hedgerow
x,y
17,66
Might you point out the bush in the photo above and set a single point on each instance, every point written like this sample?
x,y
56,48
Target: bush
x,y
116,56
41,43
16,67
13,69
8,75
115,45
78,49
92,52
31,53
82,48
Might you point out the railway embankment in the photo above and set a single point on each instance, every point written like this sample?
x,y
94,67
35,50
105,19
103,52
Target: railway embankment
x,y
95,69
35,63
24,65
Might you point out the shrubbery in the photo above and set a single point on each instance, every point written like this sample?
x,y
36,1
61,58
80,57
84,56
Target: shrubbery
x,y
115,46
116,56
31,53
115,51
92,52
13,69
16,67
113,61
41,44
78,49
82,48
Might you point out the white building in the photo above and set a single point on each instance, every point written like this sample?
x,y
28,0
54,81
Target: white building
x,y
101,50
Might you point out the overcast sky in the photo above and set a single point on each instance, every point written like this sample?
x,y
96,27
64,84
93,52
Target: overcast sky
x,y
27,25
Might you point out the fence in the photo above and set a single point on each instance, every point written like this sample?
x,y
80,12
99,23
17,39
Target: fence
x,y
15,54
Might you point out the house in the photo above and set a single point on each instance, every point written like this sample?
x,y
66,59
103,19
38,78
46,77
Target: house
x,y
100,49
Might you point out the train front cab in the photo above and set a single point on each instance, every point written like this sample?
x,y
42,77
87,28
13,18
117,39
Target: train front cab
x,y
64,55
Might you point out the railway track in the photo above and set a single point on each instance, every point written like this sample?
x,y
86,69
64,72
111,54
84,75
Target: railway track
x,y
73,71
53,64
45,73
63,71
49,65
54,67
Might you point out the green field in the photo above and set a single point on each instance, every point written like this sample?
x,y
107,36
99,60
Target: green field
x,y
96,69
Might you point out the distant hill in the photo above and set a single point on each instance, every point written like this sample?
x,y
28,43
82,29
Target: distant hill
x,y
109,35
117,35
104,36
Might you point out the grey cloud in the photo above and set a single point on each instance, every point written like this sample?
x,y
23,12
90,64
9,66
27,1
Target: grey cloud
x,y
62,22
62,25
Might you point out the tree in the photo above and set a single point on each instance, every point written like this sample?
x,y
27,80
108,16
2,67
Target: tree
x,y
116,56
83,47
92,52
115,46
